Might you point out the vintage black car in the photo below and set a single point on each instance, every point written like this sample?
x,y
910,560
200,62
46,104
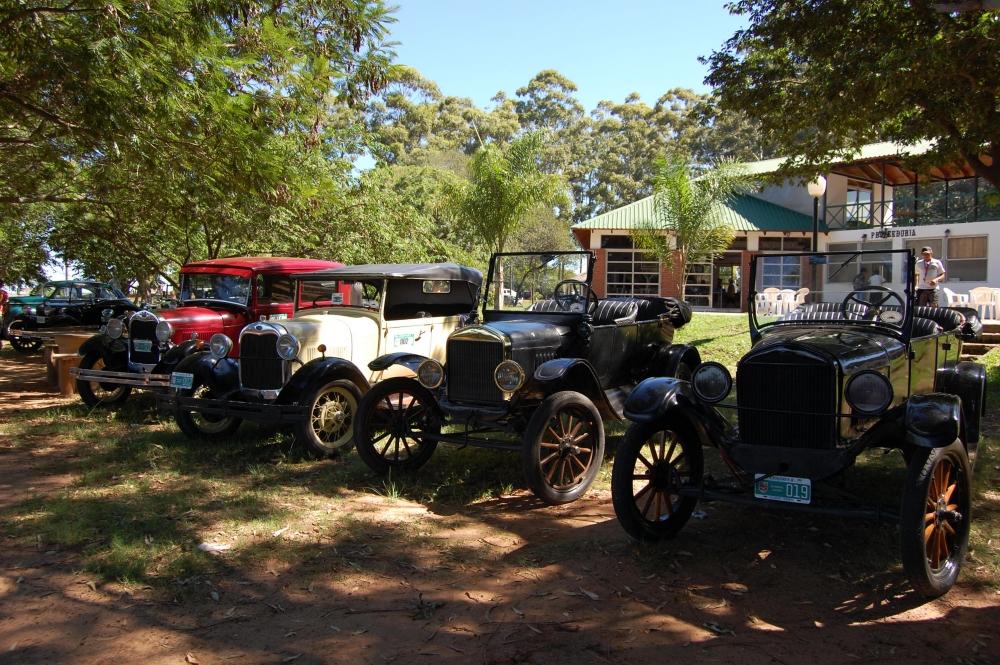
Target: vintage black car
x,y
845,371
540,380
63,304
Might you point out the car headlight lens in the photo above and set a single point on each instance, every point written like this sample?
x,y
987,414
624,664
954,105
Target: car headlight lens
x,y
868,392
30,311
509,376
288,347
115,328
711,382
164,331
107,314
430,373
220,345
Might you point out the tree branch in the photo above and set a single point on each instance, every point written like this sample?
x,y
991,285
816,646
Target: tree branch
x,y
46,198
31,11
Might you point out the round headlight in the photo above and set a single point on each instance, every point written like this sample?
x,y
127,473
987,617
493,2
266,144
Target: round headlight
x,y
509,376
164,331
868,392
711,382
430,373
220,345
107,313
115,328
288,347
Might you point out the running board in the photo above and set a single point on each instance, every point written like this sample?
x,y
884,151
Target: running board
x,y
135,379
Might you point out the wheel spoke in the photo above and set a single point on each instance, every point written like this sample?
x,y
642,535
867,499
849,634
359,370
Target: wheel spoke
x,y
638,495
550,445
642,476
670,453
552,472
547,459
670,504
949,492
652,451
928,532
949,528
386,447
575,429
644,461
930,517
657,501
409,453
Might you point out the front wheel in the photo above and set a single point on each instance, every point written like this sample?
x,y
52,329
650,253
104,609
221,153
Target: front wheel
x,y
563,447
329,423
934,518
94,393
204,426
17,342
653,462
392,425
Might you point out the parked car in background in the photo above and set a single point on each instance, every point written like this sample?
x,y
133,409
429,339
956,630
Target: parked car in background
x,y
311,371
846,372
217,296
540,382
62,304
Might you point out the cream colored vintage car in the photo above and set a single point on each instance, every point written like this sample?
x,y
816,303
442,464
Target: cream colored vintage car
x,y
312,370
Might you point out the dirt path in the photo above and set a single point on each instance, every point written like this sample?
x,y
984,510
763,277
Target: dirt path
x,y
503,581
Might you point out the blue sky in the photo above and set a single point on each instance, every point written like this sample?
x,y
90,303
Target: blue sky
x,y
609,49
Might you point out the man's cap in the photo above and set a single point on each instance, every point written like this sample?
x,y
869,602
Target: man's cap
x,y
863,269
926,249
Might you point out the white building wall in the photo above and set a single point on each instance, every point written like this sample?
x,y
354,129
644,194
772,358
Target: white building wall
x,y
790,195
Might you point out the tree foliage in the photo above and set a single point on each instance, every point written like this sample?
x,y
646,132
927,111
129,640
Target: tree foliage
x,y
825,77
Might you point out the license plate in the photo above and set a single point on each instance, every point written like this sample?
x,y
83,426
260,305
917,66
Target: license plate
x,y
181,380
403,341
142,345
783,488
40,319
277,317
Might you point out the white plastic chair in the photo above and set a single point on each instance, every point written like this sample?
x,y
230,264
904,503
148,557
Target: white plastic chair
x,y
788,301
955,298
761,304
984,299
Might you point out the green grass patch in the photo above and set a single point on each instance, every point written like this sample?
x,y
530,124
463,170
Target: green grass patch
x,y
723,338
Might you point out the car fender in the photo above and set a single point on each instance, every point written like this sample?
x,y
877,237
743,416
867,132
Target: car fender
x,y
574,374
322,369
410,361
114,352
967,380
932,420
657,398
670,358
221,376
178,352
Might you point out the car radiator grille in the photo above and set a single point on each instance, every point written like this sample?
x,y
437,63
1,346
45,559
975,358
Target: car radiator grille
x,y
260,366
470,371
790,390
143,330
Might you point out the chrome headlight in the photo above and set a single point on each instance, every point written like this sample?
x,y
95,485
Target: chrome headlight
x,y
868,392
30,311
164,331
430,373
288,347
115,328
711,382
220,345
508,376
107,314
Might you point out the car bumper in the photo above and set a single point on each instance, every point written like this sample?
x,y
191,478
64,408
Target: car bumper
x,y
258,412
134,379
474,412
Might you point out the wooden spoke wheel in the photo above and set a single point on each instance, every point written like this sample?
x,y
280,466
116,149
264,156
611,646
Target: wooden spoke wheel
x,y
652,464
563,447
329,425
392,425
207,426
95,393
935,516
18,342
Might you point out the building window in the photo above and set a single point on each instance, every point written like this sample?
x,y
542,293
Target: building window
x,y
782,244
630,272
877,267
698,285
782,272
966,259
859,202
738,243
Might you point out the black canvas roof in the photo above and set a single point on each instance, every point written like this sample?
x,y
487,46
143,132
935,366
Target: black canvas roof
x,y
448,271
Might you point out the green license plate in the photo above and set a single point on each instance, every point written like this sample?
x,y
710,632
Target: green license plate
x,y
142,345
181,380
783,488
40,319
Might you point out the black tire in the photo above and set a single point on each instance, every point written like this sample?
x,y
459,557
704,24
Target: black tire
x,y
391,421
329,424
19,346
96,394
563,447
934,518
199,425
648,468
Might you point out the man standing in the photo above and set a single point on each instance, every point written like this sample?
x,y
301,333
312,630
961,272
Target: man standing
x,y
930,273
861,280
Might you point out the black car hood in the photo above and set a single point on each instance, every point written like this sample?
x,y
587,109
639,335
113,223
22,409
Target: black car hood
x,y
530,334
852,349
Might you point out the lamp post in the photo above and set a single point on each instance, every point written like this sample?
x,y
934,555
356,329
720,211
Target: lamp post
x,y
816,189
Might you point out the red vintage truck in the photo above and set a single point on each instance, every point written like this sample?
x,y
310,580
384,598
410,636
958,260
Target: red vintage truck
x,y
218,296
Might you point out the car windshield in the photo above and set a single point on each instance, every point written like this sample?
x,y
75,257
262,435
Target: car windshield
x,y
332,293
519,280
206,286
860,287
44,290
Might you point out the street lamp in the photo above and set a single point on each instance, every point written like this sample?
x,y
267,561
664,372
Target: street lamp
x,y
816,189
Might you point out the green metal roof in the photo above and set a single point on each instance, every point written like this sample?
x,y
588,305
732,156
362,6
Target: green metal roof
x,y
743,213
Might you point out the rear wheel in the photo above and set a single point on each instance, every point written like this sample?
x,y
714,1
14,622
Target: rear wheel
x,y
563,447
18,344
653,462
94,393
392,425
934,518
329,423
202,425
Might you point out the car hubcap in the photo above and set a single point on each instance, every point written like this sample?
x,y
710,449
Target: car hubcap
x,y
333,416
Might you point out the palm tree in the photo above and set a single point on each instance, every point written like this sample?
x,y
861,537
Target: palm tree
x,y
688,222
505,184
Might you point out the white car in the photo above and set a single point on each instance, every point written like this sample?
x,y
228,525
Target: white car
x,y
312,370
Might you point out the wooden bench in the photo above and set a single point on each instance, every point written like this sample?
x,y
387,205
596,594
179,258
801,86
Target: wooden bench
x,y
63,361
51,371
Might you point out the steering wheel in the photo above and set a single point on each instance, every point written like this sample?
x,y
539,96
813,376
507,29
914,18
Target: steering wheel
x,y
570,294
872,310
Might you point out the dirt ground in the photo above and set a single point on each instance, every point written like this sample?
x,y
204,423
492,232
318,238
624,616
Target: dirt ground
x,y
503,580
